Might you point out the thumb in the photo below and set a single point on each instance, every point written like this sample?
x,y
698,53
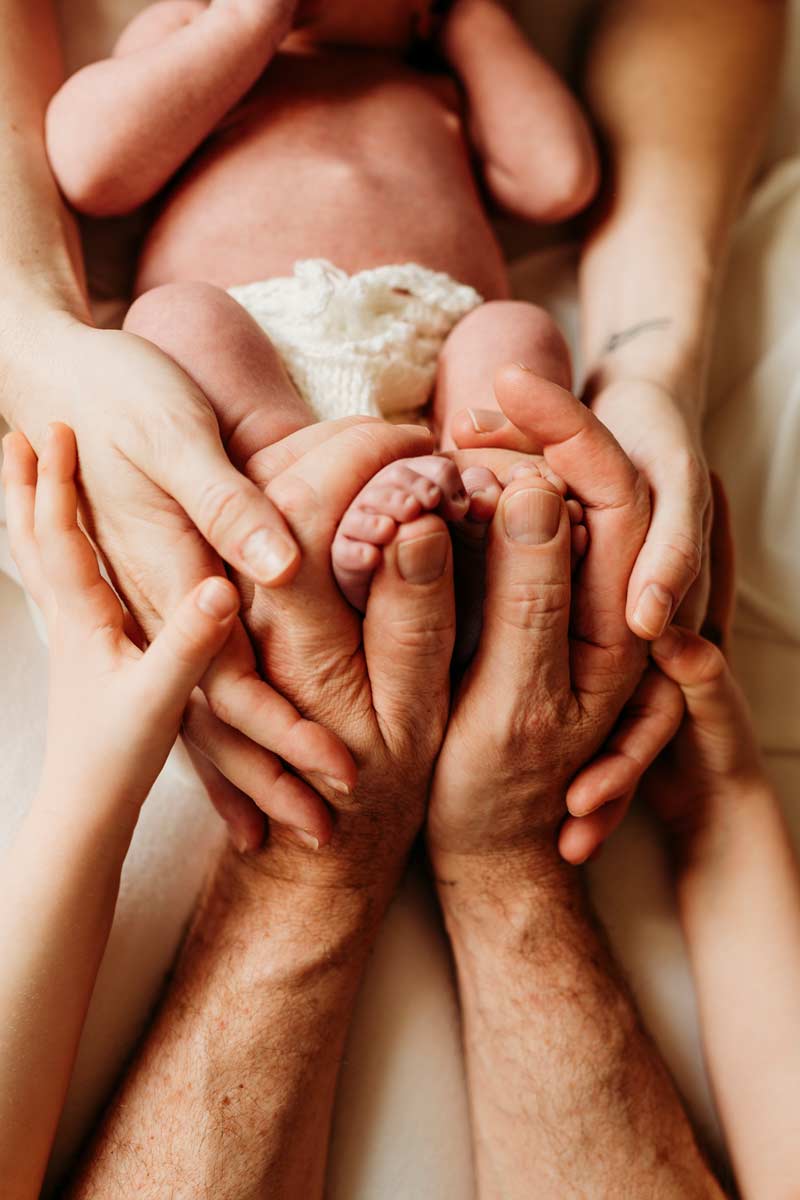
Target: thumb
x,y
183,650
525,638
232,513
409,631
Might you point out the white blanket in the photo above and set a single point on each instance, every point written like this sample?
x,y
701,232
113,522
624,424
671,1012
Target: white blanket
x,y
401,1126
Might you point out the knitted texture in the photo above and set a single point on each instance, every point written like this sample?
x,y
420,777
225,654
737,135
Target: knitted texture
x,y
359,344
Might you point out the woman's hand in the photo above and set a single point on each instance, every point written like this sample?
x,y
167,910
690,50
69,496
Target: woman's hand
x,y
600,794
551,673
661,436
166,506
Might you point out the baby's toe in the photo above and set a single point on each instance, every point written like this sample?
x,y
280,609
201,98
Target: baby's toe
x,y
484,491
444,474
367,526
354,563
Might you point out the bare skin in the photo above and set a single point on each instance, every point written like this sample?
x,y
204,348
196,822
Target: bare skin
x,y
246,1094
311,115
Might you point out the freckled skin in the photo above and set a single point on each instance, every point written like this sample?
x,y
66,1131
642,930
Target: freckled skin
x,y
374,156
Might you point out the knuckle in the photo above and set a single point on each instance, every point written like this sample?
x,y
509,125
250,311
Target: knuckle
x,y
219,508
686,553
712,663
535,607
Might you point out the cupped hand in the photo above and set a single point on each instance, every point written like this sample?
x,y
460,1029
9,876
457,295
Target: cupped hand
x,y
166,506
600,794
553,669
382,685
663,442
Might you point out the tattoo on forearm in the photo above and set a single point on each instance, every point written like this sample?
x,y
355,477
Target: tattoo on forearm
x,y
627,335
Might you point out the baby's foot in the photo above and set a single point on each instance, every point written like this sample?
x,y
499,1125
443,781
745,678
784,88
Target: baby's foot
x,y
399,493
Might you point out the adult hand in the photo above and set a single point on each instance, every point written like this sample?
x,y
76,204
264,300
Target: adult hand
x,y
166,506
381,685
661,436
552,672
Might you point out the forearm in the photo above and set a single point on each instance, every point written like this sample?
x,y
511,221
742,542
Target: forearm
x,y
233,1091
60,881
39,249
159,103
681,96
568,1095
739,899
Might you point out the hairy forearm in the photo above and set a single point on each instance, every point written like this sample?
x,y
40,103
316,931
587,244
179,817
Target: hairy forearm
x,y
739,899
568,1095
233,1091
158,103
39,250
681,94
58,889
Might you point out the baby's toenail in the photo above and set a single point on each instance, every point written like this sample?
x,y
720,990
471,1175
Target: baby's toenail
x,y
524,468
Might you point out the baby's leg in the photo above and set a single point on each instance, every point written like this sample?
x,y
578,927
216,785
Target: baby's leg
x,y
218,345
497,333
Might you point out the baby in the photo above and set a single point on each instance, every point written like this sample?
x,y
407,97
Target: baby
x,y
319,246
735,870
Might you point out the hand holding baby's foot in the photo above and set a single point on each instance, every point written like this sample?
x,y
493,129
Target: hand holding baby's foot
x,y
397,495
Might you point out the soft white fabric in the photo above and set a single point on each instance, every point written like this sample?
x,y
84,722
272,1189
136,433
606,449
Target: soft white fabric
x,y
401,1128
359,344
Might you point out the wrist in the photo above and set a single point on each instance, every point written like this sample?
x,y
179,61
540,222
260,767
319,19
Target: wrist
x,y
74,826
496,900
294,922
33,345
716,821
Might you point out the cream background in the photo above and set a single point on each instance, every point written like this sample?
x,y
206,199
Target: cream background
x,y
401,1122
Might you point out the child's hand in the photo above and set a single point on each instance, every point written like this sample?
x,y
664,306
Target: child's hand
x,y
715,755
114,711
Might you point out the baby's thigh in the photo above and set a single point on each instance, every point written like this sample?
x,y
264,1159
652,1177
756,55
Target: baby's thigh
x,y
497,333
230,358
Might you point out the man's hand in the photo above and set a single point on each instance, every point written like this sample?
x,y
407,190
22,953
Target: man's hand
x,y
550,676
383,686
235,1084
546,1018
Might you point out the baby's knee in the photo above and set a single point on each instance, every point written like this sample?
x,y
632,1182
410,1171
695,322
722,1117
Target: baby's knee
x,y
171,306
515,331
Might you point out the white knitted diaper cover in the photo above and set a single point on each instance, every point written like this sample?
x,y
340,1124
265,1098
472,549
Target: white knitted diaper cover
x,y
365,343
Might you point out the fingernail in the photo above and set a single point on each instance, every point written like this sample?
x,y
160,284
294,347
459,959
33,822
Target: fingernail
x,y
268,555
307,840
423,559
216,599
338,785
485,421
670,644
654,610
532,516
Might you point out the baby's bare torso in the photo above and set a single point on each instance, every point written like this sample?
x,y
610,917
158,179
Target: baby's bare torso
x,y
349,155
